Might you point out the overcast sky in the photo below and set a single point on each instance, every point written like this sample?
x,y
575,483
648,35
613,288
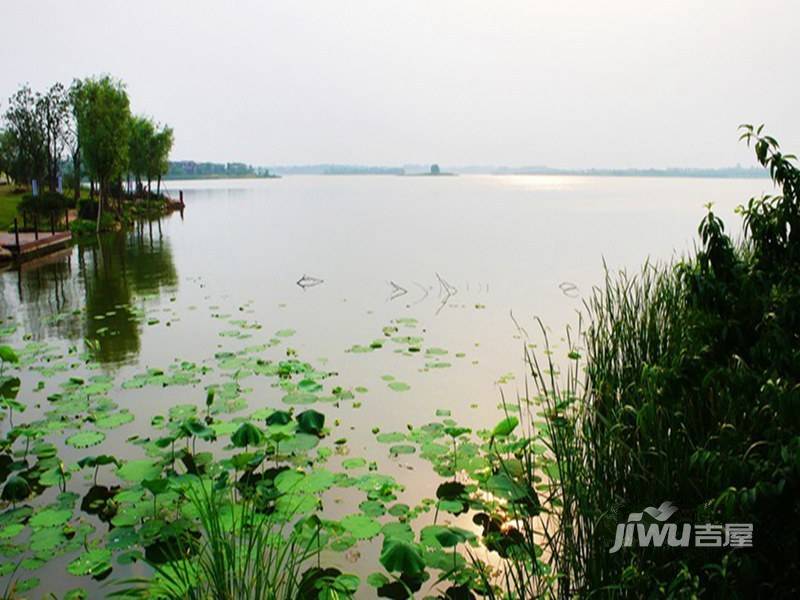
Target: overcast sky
x,y
614,83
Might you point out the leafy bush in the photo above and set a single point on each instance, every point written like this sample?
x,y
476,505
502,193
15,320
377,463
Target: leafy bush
x,y
87,209
45,204
83,227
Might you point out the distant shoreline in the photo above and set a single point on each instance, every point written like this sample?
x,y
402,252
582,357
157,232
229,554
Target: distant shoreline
x,y
620,174
218,176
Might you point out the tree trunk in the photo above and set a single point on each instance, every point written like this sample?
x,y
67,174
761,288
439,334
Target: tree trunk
x,y
76,168
158,186
100,204
50,170
120,198
149,187
91,190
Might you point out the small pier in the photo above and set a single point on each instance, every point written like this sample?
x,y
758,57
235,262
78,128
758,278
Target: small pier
x,y
24,245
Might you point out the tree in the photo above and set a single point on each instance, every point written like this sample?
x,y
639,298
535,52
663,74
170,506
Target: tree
x,y
76,98
435,169
142,133
54,108
7,152
158,160
104,116
25,126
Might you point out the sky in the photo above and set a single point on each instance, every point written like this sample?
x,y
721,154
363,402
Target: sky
x,y
570,84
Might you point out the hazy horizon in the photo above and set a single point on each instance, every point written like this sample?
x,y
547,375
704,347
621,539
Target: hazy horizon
x,y
571,85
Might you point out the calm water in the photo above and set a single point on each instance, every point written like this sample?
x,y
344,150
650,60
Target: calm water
x,y
458,254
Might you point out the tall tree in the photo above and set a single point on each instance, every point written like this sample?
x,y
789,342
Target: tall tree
x,y
76,98
55,110
29,140
158,163
140,141
7,153
104,128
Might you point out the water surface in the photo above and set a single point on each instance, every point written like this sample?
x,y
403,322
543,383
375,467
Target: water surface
x,y
329,262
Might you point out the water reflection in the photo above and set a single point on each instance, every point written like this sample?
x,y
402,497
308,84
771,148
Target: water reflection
x,y
99,304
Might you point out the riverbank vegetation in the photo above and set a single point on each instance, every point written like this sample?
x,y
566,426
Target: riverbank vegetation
x,y
681,386
82,133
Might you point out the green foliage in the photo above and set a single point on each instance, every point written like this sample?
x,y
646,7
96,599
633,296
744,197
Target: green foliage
x,y
45,205
103,113
239,553
142,131
26,141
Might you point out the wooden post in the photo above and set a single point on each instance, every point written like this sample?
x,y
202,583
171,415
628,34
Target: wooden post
x,y
35,226
16,233
52,223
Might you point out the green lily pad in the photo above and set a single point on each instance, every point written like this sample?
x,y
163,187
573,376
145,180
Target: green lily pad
x,y
50,517
114,420
402,449
361,526
138,470
93,562
398,556
85,439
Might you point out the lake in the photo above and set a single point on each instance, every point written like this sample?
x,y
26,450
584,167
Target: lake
x,y
449,273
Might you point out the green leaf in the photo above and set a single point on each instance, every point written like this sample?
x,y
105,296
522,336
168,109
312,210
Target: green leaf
x,y
505,427
401,557
138,470
93,562
361,526
311,421
16,489
85,439
8,355
247,435
50,517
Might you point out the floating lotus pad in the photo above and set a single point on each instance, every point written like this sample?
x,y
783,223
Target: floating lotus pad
x,y
85,439
138,470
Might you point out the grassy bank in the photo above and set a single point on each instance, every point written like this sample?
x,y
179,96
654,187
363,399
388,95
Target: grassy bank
x,y
8,204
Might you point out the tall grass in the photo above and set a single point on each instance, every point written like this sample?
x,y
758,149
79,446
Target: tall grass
x,y
239,552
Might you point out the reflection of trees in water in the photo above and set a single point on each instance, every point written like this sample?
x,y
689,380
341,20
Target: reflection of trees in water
x,y
40,289
104,276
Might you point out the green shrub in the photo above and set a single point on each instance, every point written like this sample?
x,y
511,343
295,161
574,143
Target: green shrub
x,y
87,209
45,204
84,227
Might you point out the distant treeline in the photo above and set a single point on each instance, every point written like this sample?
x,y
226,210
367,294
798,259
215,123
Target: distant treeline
x,y
334,169
723,173
207,170
189,169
